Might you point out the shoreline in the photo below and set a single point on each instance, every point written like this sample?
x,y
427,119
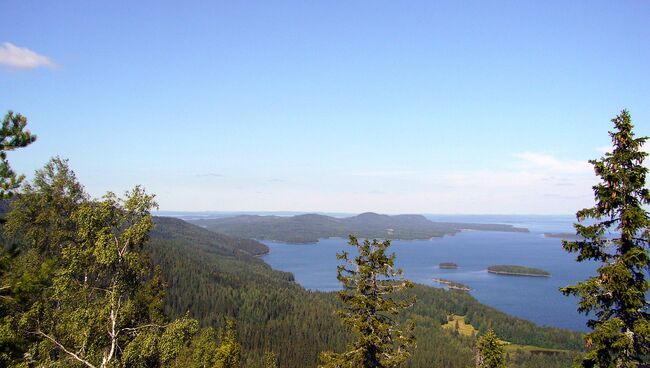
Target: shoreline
x,y
452,284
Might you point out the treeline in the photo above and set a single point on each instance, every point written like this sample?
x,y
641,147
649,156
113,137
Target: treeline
x,y
310,228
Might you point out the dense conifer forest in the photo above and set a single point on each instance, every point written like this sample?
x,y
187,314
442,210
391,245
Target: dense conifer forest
x,y
274,313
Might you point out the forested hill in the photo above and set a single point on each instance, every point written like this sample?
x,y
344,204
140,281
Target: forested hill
x,y
172,228
212,276
311,227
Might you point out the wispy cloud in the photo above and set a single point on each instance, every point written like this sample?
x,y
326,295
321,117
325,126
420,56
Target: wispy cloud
x,y
23,58
210,175
383,173
548,162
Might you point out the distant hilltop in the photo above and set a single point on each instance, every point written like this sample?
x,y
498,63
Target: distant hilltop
x,y
309,228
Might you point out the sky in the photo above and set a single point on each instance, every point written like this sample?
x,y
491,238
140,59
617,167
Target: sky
x,y
449,107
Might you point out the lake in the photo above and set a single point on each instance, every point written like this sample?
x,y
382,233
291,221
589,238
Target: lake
x,y
533,298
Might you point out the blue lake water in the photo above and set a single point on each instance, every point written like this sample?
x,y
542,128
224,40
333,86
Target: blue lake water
x,y
533,298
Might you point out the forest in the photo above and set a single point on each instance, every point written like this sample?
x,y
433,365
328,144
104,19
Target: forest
x,y
100,282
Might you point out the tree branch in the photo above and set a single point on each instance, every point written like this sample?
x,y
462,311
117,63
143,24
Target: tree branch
x,y
60,346
130,329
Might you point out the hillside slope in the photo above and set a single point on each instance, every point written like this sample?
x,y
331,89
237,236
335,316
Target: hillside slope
x,y
212,276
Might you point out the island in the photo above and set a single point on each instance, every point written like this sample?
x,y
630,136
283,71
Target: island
x,y
452,285
448,265
512,270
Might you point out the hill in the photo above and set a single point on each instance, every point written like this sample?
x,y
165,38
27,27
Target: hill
x,y
311,227
212,276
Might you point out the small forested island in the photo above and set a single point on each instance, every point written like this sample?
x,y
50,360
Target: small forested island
x,y
512,270
453,285
448,265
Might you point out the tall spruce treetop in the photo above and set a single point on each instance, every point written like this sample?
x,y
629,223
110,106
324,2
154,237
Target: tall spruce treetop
x,y
12,135
618,237
369,287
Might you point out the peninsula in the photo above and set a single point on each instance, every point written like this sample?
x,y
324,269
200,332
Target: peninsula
x,y
452,285
310,228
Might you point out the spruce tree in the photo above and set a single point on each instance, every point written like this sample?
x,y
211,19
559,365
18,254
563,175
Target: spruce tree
x,y
489,351
370,307
618,238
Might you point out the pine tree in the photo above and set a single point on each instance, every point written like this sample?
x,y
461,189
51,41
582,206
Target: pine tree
x,y
618,238
489,351
369,288
12,135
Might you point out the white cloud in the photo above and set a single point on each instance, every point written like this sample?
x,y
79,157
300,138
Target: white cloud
x,y
548,162
22,57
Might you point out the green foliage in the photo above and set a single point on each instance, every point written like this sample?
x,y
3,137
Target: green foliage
x,y
619,239
41,216
12,135
159,345
369,288
229,351
37,228
490,352
270,360
80,289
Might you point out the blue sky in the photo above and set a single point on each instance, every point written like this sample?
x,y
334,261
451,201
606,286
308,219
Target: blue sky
x,y
348,106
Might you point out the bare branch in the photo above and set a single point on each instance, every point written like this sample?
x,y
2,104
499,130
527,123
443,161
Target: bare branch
x,y
63,348
131,329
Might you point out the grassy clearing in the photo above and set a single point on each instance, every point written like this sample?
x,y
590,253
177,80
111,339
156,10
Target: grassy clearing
x,y
463,328
455,322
